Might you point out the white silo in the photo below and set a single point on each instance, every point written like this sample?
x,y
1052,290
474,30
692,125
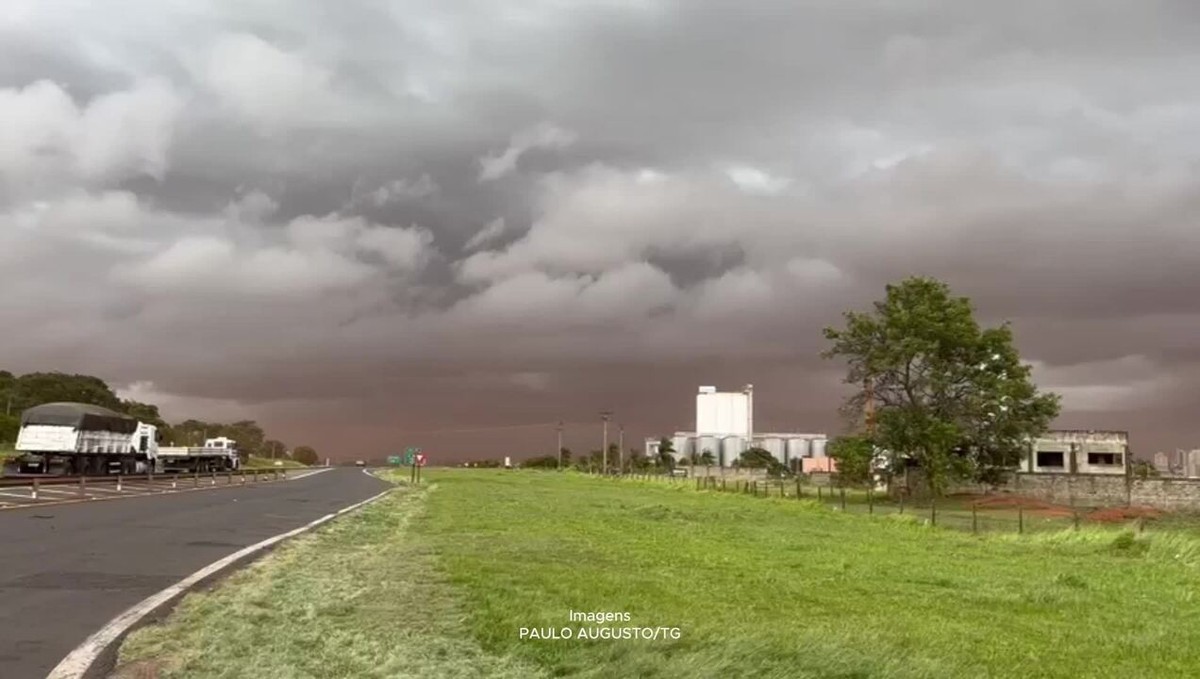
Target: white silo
x,y
797,448
774,445
732,448
683,447
818,447
710,443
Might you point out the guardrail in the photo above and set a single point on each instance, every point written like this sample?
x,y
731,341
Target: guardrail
x,y
176,480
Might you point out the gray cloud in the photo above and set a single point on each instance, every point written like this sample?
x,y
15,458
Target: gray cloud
x,y
418,216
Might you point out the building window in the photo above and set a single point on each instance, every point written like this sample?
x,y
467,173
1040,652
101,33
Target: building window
x,y
1050,459
1104,459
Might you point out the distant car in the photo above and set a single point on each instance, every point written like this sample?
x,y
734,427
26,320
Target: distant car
x,y
359,463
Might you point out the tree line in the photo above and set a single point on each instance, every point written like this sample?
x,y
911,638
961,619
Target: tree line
x,y
19,392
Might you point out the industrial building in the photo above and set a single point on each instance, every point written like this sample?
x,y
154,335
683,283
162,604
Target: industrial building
x,y
1072,451
725,428
1181,463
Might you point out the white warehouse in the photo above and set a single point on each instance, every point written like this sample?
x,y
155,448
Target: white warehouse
x,y
725,428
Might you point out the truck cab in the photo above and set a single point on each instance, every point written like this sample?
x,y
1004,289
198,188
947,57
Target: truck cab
x,y
228,445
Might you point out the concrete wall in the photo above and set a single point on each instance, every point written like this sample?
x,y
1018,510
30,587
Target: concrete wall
x,y
1098,490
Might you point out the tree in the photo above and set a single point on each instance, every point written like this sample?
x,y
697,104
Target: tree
x,y
1142,469
707,459
144,412
565,453
541,462
666,454
10,426
273,448
34,389
638,461
760,458
855,456
951,396
305,455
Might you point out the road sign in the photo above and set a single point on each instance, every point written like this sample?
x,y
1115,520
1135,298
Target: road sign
x,y
409,454
393,459
420,460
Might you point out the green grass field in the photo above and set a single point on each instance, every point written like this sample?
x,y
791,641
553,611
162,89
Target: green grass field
x,y
762,587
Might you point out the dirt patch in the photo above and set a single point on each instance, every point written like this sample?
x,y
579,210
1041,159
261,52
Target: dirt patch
x,y
1122,514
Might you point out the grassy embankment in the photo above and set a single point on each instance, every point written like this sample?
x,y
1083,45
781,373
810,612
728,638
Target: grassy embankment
x,y
759,587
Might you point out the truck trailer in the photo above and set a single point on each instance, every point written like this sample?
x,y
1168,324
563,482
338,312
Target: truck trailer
x,y
84,439
78,438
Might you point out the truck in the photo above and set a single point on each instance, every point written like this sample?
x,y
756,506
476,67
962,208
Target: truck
x,y
81,438
217,454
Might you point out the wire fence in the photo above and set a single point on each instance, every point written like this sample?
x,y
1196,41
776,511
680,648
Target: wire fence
x,y
976,514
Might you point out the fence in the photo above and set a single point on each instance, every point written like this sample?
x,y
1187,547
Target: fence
x,y
987,514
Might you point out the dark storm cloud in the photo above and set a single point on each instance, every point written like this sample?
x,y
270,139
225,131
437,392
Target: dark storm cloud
x,y
409,216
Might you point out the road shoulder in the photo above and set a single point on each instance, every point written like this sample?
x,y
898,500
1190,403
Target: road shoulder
x,y
359,597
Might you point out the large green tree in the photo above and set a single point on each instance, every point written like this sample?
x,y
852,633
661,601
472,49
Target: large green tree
x,y
949,395
855,456
31,389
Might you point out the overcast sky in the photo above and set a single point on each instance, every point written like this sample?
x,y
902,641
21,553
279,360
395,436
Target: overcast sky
x,y
365,223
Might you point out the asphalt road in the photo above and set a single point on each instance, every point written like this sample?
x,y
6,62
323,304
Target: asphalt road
x,y
67,570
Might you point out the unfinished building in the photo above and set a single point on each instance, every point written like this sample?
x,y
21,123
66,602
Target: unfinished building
x,y
1074,451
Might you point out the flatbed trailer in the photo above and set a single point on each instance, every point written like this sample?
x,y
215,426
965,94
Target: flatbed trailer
x,y
216,455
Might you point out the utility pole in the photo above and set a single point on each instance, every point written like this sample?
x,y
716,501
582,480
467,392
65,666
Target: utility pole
x,y
749,391
605,414
560,445
621,450
869,405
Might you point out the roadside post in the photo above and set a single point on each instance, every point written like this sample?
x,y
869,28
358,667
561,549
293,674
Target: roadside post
x,y
410,459
420,463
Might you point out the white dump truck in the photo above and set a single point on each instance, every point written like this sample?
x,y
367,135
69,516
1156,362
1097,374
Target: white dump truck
x,y
217,454
84,439
77,438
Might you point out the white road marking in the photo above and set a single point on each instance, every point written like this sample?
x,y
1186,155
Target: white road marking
x,y
79,661
106,490
74,490
103,489
23,496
